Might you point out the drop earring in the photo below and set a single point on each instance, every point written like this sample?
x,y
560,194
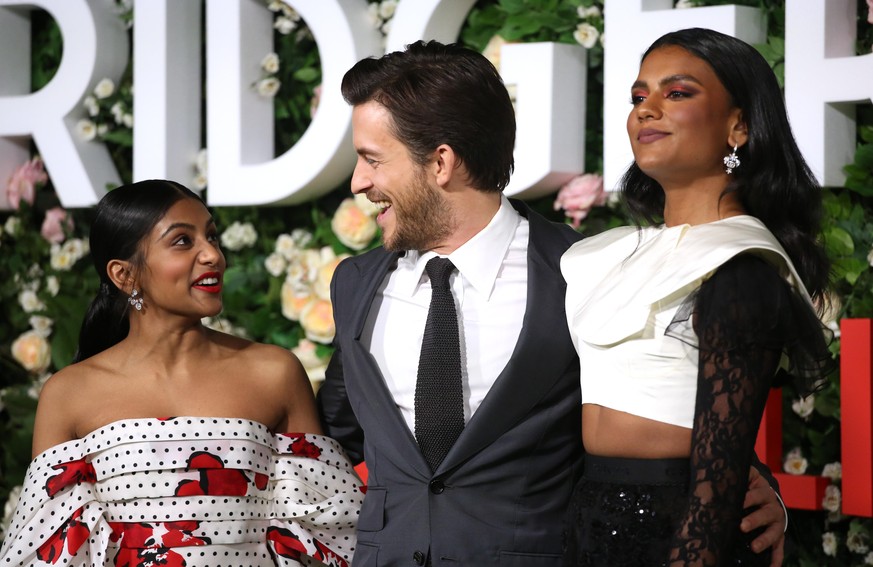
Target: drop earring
x,y
731,161
135,300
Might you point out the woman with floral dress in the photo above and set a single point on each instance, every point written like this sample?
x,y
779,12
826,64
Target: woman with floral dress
x,y
169,443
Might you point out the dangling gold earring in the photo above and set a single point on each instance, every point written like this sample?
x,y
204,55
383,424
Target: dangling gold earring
x,y
731,161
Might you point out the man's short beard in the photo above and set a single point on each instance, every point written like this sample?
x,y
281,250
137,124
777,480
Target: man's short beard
x,y
422,218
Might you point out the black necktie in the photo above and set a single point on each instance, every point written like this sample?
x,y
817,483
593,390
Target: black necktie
x,y
439,400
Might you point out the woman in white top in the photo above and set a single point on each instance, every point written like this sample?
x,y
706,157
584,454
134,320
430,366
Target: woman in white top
x,y
683,326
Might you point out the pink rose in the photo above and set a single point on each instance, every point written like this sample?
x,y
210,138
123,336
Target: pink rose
x,y
316,99
870,11
56,225
22,183
579,194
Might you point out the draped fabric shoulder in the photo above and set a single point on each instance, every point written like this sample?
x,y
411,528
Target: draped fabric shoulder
x,y
747,303
187,491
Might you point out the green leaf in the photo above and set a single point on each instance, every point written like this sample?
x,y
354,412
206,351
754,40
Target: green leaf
x,y
307,74
839,242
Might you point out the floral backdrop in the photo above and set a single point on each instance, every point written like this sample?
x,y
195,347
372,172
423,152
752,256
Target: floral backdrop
x,y
281,259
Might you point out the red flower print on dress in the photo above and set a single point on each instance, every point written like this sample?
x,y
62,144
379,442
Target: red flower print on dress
x,y
285,543
214,478
74,472
136,535
328,556
73,533
151,557
300,446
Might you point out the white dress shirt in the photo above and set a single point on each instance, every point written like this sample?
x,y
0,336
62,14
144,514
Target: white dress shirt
x,y
490,291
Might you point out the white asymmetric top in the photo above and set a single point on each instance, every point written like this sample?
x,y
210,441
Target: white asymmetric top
x,y
623,289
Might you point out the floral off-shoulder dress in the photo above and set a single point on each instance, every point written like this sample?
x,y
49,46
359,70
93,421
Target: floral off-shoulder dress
x,y
187,491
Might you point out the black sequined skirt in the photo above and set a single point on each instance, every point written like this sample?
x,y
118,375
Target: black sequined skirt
x,y
624,511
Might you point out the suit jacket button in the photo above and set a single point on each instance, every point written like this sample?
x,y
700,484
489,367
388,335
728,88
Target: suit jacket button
x,y
418,557
437,486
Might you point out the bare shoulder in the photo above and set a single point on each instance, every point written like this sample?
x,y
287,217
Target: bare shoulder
x,y
62,401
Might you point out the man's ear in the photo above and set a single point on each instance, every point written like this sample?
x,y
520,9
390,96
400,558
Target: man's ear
x,y
120,274
445,164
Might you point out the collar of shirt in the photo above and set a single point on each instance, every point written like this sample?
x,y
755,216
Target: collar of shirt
x,y
478,260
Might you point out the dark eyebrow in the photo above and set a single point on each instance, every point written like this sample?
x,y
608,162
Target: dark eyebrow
x,y
667,80
187,226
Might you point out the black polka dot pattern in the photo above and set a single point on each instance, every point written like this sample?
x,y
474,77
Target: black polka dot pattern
x,y
189,491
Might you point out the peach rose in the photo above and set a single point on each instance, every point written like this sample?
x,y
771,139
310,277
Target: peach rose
x,y
317,321
23,182
321,286
315,366
870,11
294,299
354,227
56,225
32,351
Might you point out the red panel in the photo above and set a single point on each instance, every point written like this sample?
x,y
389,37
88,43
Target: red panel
x,y
856,411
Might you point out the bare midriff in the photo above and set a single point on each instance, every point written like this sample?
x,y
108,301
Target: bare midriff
x,y
611,433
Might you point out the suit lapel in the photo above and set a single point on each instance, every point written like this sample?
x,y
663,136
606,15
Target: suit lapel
x,y
378,399
538,360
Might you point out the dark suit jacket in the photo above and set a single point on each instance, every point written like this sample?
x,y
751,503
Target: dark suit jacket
x,y
500,495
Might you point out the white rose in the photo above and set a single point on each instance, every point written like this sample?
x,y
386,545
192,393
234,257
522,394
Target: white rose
x,y
36,387
685,4
61,260
586,35
270,63
90,104
829,543
52,285
870,257
833,471
76,247
275,264
32,352
284,25
804,406
11,225
104,88
41,325
795,463
868,559
386,27
86,130
102,129
268,87
387,9
238,236
301,236
117,111
275,5
286,246
199,182
832,499
29,301
201,162
127,120
373,15
858,542
589,12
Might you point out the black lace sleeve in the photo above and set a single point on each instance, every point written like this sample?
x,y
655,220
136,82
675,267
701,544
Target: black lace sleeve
x,y
748,323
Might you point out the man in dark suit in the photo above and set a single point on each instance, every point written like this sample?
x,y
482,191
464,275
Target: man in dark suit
x,y
434,129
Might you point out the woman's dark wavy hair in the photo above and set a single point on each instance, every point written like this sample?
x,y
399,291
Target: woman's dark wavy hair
x,y
774,182
442,94
124,217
